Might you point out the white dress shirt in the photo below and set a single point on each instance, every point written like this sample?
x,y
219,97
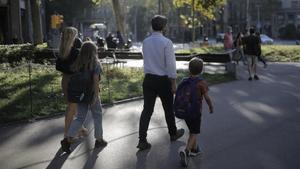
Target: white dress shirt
x,y
159,56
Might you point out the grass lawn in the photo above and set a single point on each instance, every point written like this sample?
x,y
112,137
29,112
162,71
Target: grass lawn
x,y
15,98
123,83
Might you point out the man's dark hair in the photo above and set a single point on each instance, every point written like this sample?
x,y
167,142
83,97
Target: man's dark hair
x,y
159,22
252,30
195,66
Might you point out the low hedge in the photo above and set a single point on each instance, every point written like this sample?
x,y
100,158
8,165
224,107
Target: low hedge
x,y
17,54
273,53
117,83
281,53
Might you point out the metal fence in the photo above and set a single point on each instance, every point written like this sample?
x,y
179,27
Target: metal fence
x,y
32,90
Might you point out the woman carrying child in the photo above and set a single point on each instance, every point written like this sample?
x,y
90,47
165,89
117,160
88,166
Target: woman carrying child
x,y
87,60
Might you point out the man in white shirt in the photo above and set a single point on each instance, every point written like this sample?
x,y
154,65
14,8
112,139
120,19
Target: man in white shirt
x,y
160,80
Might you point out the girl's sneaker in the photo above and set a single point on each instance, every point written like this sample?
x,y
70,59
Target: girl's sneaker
x,y
65,145
195,152
184,157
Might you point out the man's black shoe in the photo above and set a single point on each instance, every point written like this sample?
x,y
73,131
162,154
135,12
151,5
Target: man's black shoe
x,y
65,145
250,78
256,77
100,143
143,145
178,134
184,157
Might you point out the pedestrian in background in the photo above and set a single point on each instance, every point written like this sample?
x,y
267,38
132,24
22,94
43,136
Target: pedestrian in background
x,y
228,39
259,56
101,44
238,44
251,48
110,42
160,80
121,42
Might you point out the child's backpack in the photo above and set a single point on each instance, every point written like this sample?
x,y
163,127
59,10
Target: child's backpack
x,y
80,87
186,104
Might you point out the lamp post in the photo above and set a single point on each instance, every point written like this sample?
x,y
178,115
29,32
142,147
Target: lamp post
x,y
258,17
193,21
159,7
247,15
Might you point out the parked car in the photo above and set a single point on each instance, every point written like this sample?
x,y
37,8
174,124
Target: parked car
x,y
220,37
265,39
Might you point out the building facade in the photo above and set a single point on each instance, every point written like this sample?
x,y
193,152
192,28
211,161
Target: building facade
x,y
16,22
269,18
286,21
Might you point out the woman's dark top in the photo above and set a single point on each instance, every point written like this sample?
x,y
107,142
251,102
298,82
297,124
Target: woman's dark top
x,y
65,65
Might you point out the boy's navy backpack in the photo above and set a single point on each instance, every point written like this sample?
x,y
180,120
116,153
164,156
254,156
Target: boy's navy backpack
x,y
186,104
80,87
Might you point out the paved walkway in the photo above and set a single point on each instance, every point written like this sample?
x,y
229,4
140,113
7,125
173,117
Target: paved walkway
x,y
256,125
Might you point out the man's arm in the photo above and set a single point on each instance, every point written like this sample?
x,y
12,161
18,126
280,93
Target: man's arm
x,y
209,102
171,65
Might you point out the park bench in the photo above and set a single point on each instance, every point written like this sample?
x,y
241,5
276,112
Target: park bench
x,y
224,58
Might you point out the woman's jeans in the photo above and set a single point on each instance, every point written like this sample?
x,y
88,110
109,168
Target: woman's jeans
x,y
82,109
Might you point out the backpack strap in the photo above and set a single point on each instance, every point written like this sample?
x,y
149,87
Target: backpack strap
x,y
196,79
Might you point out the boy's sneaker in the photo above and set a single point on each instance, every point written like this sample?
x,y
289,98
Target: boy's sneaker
x,y
184,157
65,145
143,145
100,143
250,78
178,134
195,152
256,77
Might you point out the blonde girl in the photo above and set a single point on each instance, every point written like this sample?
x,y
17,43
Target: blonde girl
x,y
87,61
68,52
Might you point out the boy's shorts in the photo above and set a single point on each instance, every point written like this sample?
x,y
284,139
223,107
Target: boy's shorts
x,y
194,125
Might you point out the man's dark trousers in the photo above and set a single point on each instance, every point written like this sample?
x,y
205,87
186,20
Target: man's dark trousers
x,y
154,86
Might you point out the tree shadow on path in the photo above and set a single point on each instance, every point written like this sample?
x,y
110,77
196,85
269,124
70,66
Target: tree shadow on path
x,y
90,163
60,157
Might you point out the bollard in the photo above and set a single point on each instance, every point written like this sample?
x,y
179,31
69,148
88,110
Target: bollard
x,y
30,86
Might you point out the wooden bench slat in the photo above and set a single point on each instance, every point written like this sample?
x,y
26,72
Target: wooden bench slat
x,y
218,58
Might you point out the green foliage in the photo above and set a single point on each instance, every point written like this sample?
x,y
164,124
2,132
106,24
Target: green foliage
x,y
70,9
274,53
205,49
204,10
116,84
14,55
281,53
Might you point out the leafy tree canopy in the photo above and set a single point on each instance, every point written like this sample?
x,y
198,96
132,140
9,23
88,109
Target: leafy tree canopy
x,y
71,8
203,10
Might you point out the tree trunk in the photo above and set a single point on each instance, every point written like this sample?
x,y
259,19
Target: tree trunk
x,y
36,22
119,16
193,21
